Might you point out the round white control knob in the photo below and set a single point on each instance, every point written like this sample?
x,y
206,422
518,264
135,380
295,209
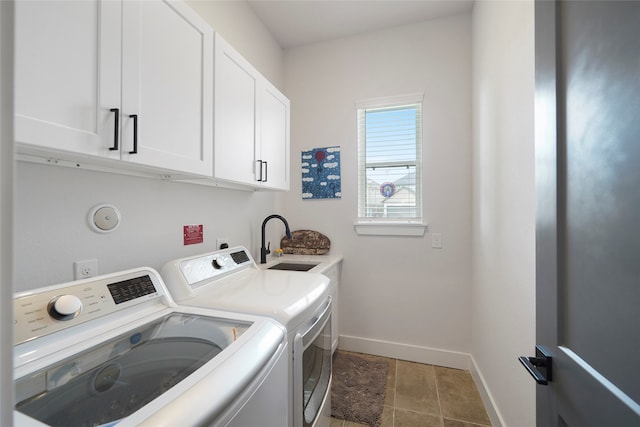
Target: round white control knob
x,y
217,263
65,307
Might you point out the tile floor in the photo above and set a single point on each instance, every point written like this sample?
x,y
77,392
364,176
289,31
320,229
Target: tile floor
x,y
420,395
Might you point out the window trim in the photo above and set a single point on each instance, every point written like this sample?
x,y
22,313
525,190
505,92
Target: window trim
x,y
414,227
384,228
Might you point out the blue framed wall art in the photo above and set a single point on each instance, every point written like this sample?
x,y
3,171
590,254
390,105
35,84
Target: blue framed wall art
x,y
321,173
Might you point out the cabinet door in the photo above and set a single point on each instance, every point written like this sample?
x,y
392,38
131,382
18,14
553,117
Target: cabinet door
x,y
235,116
274,137
168,84
67,75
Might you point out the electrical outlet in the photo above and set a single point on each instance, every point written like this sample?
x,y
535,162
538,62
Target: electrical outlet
x,y
85,269
222,243
436,240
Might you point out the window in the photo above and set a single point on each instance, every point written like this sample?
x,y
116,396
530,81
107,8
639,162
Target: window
x,y
389,166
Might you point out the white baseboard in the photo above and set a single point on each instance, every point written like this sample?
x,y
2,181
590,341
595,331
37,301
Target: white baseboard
x,y
431,356
412,353
487,398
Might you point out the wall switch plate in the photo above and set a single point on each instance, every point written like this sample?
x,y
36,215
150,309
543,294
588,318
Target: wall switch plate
x,y
222,243
436,240
85,269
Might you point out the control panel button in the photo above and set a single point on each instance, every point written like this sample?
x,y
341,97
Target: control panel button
x,y
221,262
65,307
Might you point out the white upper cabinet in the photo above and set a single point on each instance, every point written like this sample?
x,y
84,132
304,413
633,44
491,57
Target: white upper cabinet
x,y
167,81
235,115
65,84
251,126
273,131
136,86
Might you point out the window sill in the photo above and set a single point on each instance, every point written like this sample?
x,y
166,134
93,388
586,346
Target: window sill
x,y
405,229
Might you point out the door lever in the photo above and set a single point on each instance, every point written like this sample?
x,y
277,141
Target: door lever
x,y
539,366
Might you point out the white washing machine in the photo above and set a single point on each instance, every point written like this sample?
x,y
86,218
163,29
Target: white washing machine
x,y
116,349
230,280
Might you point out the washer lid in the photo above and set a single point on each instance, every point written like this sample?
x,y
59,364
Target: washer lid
x,y
115,379
290,297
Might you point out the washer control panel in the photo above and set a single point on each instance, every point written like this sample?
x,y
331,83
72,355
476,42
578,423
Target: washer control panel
x,y
54,308
215,264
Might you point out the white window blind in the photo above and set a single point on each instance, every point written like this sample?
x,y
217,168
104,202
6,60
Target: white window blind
x,y
389,160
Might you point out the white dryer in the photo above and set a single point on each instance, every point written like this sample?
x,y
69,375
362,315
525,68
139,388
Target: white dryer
x,y
230,280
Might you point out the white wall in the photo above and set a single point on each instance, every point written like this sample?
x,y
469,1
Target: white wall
x,y
239,26
503,205
396,290
52,203
52,228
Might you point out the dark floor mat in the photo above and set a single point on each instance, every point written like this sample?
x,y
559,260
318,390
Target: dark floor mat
x,y
358,388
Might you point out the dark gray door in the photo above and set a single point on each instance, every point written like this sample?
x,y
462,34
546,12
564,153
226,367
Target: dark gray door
x,y
588,214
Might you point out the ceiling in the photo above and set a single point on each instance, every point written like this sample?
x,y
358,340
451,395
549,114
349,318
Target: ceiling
x,y
299,22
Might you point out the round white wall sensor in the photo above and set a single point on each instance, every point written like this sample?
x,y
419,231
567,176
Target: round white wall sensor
x,y
104,218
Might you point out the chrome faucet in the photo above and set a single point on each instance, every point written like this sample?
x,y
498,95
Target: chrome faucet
x,y
267,250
